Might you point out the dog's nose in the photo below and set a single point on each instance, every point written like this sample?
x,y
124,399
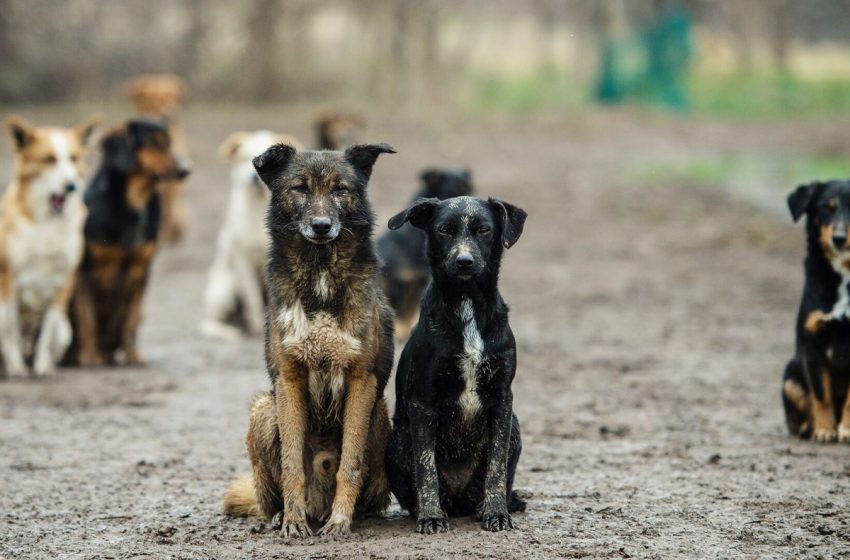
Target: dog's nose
x,y
70,187
464,261
839,238
321,226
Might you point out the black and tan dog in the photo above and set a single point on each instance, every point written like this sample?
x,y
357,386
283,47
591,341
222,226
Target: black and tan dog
x,y
815,384
316,442
456,441
404,271
121,231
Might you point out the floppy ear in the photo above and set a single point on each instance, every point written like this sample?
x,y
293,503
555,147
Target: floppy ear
x,y
271,163
85,129
418,214
799,201
118,152
227,150
290,141
511,218
21,131
363,156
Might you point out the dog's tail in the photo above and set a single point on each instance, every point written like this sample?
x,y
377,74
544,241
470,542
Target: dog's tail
x,y
240,498
795,399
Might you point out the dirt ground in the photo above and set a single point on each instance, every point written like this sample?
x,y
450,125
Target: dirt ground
x,y
653,322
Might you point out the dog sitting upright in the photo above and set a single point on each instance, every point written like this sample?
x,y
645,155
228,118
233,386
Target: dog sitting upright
x,y
121,230
41,242
816,381
235,295
456,441
405,272
316,442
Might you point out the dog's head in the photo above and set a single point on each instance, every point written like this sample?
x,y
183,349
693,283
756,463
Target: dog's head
x,y
827,207
319,195
142,147
49,161
446,183
338,130
240,149
158,95
466,235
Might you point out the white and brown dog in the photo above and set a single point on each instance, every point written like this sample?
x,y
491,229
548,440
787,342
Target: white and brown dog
x,y
41,243
235,295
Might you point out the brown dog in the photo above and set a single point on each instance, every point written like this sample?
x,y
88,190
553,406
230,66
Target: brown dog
x,y
161,96
336,131
121,232
316,442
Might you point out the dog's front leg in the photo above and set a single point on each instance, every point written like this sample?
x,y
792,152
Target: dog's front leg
x,y
430,517
10,332
249,287
823,415
55,333
359,402
494,507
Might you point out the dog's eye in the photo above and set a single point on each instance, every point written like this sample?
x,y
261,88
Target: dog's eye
x,y
299,188
340,189
75,158
51,159
484,229
443,229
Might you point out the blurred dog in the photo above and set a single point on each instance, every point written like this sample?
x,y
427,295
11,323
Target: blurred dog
x,y
335,131
316,442
161,96
235,292
41,242
405,272
456,441
121,232
816,381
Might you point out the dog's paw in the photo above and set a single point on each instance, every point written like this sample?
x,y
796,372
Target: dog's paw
x,y
843,433
337,526
277,521
431,525
816,321
824,435
294,529
497,521
44,368
17,368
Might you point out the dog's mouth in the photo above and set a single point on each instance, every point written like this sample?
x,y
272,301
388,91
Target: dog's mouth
x,y
57,203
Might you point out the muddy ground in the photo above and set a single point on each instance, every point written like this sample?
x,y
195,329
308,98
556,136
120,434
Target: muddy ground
x,y
653,321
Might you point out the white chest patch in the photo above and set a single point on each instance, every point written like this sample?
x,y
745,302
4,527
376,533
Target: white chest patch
x,y
323,285
841,308
473,353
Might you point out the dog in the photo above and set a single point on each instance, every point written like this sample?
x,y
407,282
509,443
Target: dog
x,y
816,380
317,441
160,96
121,230
235,294
335,131
41,243
405,272
455,441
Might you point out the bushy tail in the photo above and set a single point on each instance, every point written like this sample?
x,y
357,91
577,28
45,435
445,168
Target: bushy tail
x,y
240,498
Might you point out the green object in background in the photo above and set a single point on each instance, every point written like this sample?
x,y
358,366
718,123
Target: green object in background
x,y
650,67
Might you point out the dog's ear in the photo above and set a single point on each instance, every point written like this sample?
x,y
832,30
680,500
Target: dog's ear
x,y
800,201
118,152
511,218
363,156
271,163
418,214
84,129
430,177
228,149
290,141
21,130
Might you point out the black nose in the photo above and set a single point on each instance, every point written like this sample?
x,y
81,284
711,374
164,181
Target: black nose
x,y
321,226
70,187
839,239
464,261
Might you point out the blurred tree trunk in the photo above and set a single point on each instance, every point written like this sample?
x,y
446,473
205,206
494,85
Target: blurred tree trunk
x,y
429,48
190,59
261,78
781,34
10,57
399,51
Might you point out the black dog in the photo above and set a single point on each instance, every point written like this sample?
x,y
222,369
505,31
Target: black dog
x,y
405,272
815,385
456,441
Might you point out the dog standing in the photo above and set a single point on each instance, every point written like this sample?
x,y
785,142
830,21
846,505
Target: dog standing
x,y
121,232
235,295
816,381
316,442
160,96
336,131
456,441
405,272
41,242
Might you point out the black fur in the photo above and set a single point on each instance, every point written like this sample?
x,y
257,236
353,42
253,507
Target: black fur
x,y
474,457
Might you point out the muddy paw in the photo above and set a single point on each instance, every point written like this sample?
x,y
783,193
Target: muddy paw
x,y
277,520
825,435
295,529
497,521
337,526
844,433
431,525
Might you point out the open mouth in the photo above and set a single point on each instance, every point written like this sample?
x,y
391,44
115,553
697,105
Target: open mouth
x,y
57,203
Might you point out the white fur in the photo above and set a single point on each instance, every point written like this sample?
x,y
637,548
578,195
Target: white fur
x,y
841,308
473,348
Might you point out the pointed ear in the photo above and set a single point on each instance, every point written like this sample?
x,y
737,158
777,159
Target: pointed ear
x,y
118,153
21,130
271,163
363,156
511,218
227,150
84,130
430,177
800,201
418,214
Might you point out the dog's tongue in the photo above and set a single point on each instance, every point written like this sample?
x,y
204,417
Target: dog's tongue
x,y
58,202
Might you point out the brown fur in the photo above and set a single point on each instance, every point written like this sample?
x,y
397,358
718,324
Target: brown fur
x,y
335,131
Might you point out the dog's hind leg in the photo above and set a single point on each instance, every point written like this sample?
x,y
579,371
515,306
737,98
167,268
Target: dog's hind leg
x,y
795,399
10,330
263,443
375,496
515,503
399,465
